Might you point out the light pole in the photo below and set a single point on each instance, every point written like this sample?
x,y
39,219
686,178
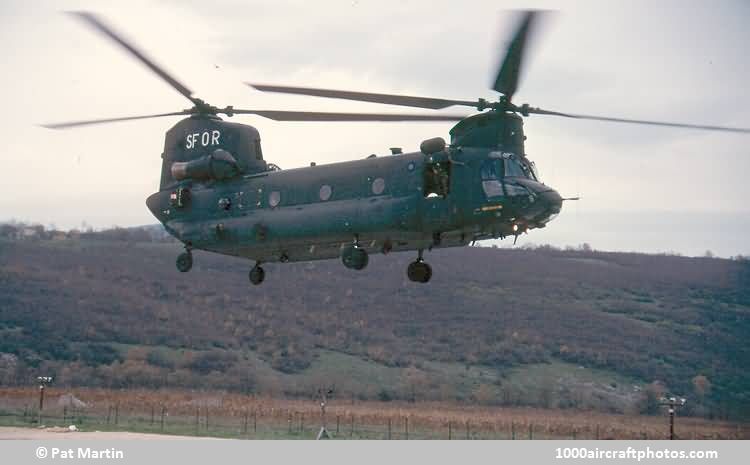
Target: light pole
x,y
672,403
323,395
43,382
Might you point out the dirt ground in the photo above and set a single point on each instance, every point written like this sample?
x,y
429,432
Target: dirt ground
x,y
64,433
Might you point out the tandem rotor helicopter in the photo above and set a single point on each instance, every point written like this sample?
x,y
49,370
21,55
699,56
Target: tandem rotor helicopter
x,y
217,192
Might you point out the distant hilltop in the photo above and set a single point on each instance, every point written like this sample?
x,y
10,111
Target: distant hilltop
x,y
22,231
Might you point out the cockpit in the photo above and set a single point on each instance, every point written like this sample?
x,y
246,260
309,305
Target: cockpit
x,y
502,165
512,180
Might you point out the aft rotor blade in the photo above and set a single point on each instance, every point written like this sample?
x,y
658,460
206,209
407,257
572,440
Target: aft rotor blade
x,y
95,22
389,99
508,75
608,119
283,115
73,124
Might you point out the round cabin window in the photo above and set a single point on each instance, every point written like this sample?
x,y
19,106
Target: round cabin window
x,y
325,192
378,186
225,203
274,198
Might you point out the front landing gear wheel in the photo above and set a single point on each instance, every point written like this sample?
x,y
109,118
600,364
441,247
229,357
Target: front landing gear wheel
x,y
257,275
184,262
355,258
419,272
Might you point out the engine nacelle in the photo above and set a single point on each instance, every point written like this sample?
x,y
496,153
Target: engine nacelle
x,y
218,165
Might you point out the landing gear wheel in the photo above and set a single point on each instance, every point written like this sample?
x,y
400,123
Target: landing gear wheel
x,y
355,258
257,275
184,262
419,272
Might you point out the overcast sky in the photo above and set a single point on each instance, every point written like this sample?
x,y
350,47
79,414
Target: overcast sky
x,y
643,188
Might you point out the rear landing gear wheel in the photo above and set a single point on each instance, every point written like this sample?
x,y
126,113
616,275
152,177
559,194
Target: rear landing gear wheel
x,y
257,275
184,262
419,272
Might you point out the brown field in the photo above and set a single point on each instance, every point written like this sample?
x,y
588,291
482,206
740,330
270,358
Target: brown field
x,y
207,413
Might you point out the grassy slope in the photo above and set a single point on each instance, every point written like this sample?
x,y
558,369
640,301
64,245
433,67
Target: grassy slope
x,y
517,319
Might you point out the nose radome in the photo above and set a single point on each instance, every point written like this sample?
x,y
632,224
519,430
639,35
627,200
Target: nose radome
x,y
553,199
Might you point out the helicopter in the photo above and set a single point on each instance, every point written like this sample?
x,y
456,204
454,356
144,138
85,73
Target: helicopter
x,y
217,192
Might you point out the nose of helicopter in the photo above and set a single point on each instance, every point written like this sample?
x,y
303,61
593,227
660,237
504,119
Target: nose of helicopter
x,y
553,201
549,203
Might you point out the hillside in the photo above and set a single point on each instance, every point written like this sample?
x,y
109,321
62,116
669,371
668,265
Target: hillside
x,y
518,327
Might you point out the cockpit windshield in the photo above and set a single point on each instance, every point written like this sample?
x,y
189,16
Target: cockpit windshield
x,y
514,168
502,164
535,171
518,168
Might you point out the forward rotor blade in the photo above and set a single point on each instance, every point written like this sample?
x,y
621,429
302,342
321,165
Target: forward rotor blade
x,y
389,99
73,124
539,111
95,22
507,78
282,115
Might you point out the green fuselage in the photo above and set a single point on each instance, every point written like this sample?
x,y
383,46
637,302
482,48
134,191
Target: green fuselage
x,y
389,203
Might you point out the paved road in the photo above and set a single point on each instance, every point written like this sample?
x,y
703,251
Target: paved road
x,y
64,433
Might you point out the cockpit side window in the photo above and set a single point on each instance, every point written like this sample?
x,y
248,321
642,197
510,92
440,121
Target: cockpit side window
x,y
491,169
491,172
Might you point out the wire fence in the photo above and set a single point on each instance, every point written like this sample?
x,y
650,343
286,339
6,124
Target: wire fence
x,y
251,425
273,423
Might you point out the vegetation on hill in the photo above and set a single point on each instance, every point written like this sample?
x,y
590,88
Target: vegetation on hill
x,y
544,327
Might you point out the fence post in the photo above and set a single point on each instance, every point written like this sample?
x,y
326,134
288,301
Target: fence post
x,y
513,430
531,430
289,421
152,414
450,430
389,427
597,431
338,419
197,419
301,421
65,413
117,414
406,427
351,431
255,421
244,424
163,411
